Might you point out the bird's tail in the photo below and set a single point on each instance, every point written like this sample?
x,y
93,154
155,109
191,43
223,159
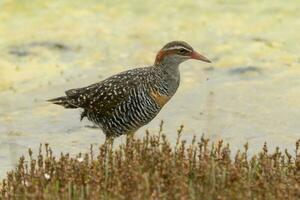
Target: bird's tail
x,y
62,101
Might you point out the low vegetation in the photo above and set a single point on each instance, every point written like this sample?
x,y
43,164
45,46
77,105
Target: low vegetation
x,y
151,168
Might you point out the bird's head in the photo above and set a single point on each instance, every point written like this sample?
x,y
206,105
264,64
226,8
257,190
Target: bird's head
x,y
177,52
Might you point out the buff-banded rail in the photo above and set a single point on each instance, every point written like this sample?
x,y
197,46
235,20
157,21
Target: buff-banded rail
x,y
124,102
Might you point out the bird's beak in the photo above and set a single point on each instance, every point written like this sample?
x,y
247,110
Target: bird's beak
x,y
198,56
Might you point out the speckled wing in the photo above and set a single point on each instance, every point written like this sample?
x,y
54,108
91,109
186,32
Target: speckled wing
x,y
104,96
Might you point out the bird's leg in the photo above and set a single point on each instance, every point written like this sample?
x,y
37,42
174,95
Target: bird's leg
x,y
109,140
130,137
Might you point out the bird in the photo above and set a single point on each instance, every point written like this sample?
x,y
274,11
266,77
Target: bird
x,y
124,102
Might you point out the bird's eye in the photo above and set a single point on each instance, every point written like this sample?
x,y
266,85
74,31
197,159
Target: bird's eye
x,y
183,51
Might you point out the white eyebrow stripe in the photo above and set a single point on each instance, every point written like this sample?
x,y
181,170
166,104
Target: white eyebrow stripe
x,y
178,47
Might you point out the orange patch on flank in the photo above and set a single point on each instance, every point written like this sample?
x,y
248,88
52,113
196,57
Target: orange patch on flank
x,y
161,100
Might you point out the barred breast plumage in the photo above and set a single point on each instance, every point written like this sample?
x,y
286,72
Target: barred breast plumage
x,y
123,103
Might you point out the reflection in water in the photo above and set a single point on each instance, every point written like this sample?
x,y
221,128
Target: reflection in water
x,y
250,93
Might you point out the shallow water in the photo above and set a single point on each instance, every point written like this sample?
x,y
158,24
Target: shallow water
x,y
250,93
